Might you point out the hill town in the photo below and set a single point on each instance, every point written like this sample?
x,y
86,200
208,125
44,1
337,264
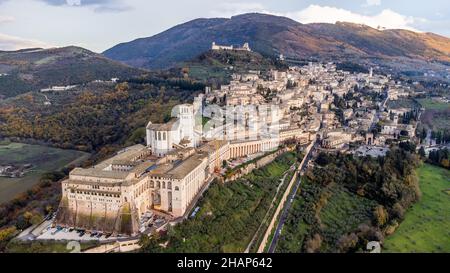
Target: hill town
x,y
249,134
144,188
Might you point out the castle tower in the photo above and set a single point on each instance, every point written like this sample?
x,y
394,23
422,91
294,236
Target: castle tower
x,y
246,47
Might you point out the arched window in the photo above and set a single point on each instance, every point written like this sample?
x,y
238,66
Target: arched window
x,y
169,185
159,135
176,188
158,184
164,185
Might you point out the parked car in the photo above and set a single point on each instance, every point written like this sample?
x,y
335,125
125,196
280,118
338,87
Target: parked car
x,y
55,231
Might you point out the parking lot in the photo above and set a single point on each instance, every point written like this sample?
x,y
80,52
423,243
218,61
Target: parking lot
x,y
71,234
152,221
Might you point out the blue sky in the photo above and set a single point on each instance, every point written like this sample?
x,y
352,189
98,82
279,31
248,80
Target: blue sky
x,y
100,24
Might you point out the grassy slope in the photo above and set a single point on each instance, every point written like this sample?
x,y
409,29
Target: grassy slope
x,y
43,158
426,224
221,64
239,195
431,104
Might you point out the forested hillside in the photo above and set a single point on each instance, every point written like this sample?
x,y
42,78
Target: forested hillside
x,y
87,119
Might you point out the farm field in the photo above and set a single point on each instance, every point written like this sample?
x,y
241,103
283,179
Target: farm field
x,y
436,114
425,228
42,158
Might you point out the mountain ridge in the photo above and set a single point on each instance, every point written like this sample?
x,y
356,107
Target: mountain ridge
x,y
272,35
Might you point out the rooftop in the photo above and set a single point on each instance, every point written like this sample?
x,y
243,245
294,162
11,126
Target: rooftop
x,y
163,127
186,166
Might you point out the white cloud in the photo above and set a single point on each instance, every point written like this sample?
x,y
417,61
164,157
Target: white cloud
x,y
97,5
373,2
73,2
323,14
387,18
6,19
8,42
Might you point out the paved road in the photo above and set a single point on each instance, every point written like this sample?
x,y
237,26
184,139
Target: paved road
x,y
288,205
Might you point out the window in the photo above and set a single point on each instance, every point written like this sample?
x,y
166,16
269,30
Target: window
x,y
177,188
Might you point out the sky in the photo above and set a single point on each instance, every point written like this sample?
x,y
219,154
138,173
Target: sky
x,y
100,24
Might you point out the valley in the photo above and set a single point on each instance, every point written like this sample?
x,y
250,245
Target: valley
x,y
43,159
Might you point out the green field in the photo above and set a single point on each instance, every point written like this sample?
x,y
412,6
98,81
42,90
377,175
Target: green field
x,y
42,158
402,103
426,225
431,104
